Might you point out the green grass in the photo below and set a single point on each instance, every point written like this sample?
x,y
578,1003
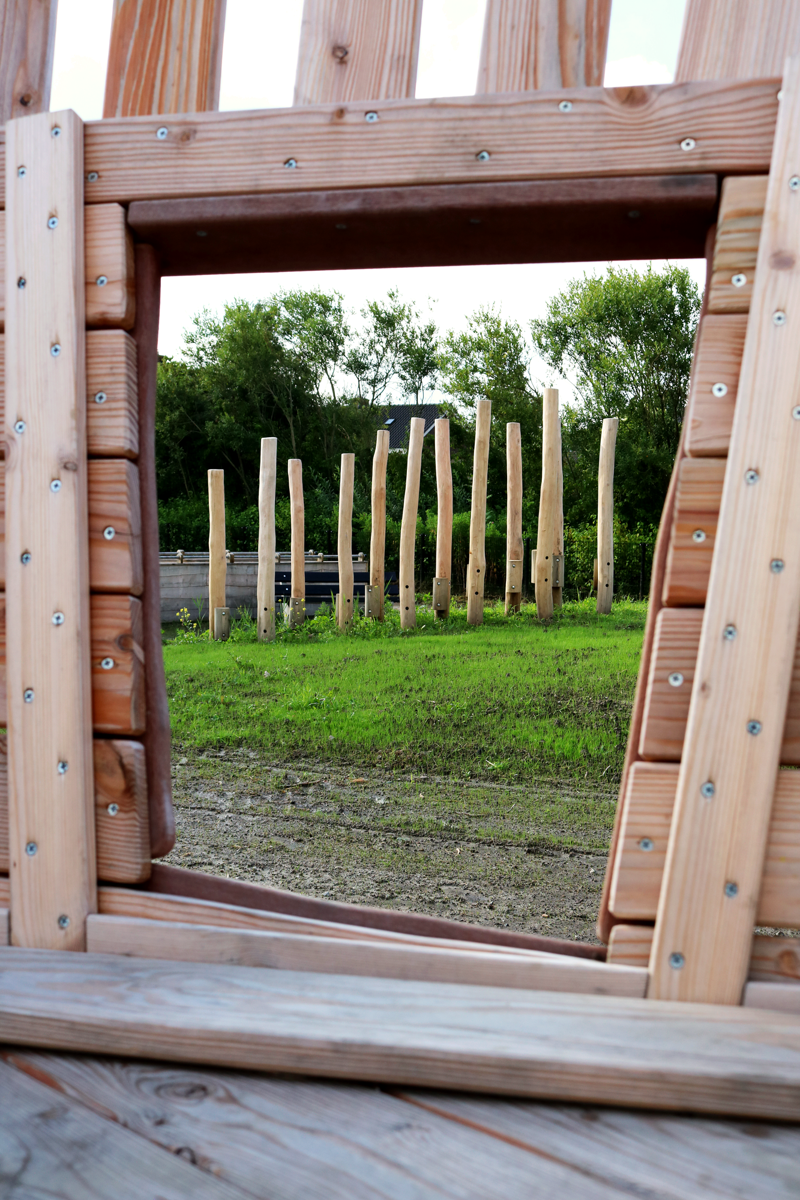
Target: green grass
x,y
511,700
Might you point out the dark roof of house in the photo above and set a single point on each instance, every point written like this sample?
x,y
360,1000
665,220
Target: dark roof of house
x,y
397,419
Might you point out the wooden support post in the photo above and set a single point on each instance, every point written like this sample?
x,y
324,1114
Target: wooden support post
x,y
164,57
50,773
298,548
514,548
27,40
217,558
605,516
344,609
553,44
548,504
265,587
408,528
737,39
715,859
476,567
374,600
444,520
558,556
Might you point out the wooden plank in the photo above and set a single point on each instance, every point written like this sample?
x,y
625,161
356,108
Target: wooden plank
x,y
608,132
476,564
344,601
441,585
370,957
217,554
548,504
27,41
122,832
543,44
741,212
164,57
694,530
591,1049
50,785
605,515
377,533
779,997
115,532
715,385
717,844
408,526
357,50
649,811
737,39
774,959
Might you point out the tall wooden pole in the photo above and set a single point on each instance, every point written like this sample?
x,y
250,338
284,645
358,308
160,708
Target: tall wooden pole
x,y
514,548
298,547
344,612
408,529
265,589
476,568
444,520
558,548
605,516
548,505
217,562
377,537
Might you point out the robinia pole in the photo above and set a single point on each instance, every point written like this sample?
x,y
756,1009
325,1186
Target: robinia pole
x,y
408,528
265,587
344,600
558,545
476,568
514,547
374,599
548,505
605,515
297,600
444,519
217,561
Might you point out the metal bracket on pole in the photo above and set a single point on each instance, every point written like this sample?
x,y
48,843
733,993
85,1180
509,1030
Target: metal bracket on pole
x,y
557,563
441,596
372,601
294,613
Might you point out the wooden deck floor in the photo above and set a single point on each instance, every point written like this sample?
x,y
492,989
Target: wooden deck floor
x,y
80,1128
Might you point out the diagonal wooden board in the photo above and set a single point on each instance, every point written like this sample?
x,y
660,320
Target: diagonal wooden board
x,y
596,1049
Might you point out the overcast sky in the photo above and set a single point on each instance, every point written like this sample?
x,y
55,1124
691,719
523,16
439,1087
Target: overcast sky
x,y
258,65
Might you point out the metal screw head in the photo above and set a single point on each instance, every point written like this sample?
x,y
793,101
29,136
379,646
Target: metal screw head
x,y
731,890
62,767
290,164
108,532
19,427
729,633
739,280
101,280
698,536
58,618
688,144
779,318
676,961
751,476
676,679
794,183
707,790
719,390
22,172
645,843
63,921
371,118
776,566
565,106
55,131
161,133
100,397
55,485
52,222
92,177
112,809
21,282
796,412
55,350
754,728
25,558
483,156
27,695
30,849
107,664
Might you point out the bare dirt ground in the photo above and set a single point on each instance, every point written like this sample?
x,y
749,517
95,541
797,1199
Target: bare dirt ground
x,y
526,857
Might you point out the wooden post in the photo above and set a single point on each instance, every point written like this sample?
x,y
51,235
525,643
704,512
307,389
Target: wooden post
x,y
374,599
605,516
558,547
217,559
476,568
344,605
297,600
50,771
26,57
408,529
514,547
267,478
444,520
549,44
548,505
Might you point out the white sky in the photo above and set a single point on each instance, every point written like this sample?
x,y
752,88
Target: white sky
x,y
260,51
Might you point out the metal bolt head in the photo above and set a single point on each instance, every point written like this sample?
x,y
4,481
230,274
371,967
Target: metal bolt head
x,y
751,476
677,961
55,485
22,172
55,350
699,536
58,618
19,427
779,318
796,412
739,280
52,222
100,397
290,164
161,133
645,843
55,131
776,566
30,849
483,156
731,890
794,183
108,532
27,695
92,177
108,664
707,791
21,282
754,728
688,144
565,106
25,557
63,921
62,767
719,390
101,280
112,809
675,679
729,633
371,118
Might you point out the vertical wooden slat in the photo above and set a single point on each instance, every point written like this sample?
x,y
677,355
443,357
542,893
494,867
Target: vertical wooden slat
x,y
377,537
345,541
217,559
27,40
548,504
165,57
715,858
408,527
444,519
265,588
605,515
737,39
50,778
358,50
529,44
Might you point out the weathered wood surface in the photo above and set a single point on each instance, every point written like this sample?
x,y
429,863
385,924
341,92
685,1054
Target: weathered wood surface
x,y
265,588
737,39
164,57
693,532
715,857
531,44
629,131
344,601
774,958
27,41
548,504
715,385
778,997
590,1049
5,926
217,559
444,517
372,957
605,515
515,548
357,50
297,506
741,212
649,808
408,527
476,564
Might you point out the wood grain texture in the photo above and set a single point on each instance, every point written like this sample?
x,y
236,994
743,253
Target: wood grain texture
x,y
27,41
741,212
718,361
550,44
628,131
693,533
774,959
165,57
605,515
217,558
357,50
408,526
548,504
377,535
115,562
50,805
344,612
122,837
590,1049
476,565
779,997
515,549
444,518
265,598
745,679
737,39
298,528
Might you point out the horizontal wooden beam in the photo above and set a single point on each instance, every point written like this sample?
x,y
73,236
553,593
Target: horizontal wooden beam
x,y
694,528
558,1046
741,213
774,959
715,384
